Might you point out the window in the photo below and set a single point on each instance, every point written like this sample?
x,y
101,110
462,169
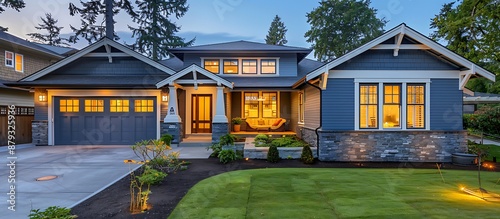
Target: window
x,y
19,63
9,59
69,105
301,107
269,105
143,106
392,106
251,105
94,106
118,106
415,106
368,105
268,66
230,66
212,65
249,66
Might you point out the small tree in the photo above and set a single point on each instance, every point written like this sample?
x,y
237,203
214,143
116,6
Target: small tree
x,y
273,155
277,32
49,24
307,156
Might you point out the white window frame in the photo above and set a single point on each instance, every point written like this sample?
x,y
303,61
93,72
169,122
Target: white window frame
x,y
11,60
240,65
301,107
381,83
22,62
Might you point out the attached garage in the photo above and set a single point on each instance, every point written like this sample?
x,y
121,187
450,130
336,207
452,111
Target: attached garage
x,y
104,120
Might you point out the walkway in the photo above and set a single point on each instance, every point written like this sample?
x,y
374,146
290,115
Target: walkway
x,y
485,141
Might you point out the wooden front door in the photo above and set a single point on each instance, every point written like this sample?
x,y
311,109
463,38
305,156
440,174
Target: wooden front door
x,y
201,113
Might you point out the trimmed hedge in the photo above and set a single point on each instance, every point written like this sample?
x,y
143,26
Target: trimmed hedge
x,y
487,119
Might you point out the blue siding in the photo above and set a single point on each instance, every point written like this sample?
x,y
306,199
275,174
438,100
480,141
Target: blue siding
x,y
385,60
287,62
446,105
338,104
101,66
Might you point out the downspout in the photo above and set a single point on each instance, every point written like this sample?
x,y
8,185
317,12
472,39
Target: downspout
x,y
320,116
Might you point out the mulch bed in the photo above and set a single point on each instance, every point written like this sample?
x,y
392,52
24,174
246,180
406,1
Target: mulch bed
x,y
113,202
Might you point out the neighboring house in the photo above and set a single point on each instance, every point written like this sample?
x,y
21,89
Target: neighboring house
x,y
20,58
396,98
472,99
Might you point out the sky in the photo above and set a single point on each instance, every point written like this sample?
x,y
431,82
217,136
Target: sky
x,y
215,21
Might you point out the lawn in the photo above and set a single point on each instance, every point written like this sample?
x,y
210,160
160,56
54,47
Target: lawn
x,y
493,151
339,193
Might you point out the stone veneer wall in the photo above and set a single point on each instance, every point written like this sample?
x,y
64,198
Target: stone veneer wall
x,y
398,146
174,129
308,135
218,130
40,132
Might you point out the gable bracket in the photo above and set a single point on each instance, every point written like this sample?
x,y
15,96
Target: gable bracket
x,y
323,80
108,52
465,76
399,40
195,78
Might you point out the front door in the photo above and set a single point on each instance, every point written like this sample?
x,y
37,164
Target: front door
x,y
201,113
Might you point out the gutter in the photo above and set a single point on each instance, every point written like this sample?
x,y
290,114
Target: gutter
x,y
320,116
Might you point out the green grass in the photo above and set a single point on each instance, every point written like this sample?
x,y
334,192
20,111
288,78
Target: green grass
x,y
339,193
493,151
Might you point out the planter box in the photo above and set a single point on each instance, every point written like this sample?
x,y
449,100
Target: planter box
x,y
252,152
463,159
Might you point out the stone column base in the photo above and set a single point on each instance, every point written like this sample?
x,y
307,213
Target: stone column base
x,y
218,130
174,129
40,132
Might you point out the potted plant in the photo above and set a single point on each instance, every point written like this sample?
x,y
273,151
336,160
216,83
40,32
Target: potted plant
x,y
237,123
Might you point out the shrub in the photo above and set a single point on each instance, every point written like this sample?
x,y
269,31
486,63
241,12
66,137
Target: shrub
x,y
307,156
487,119
273,155
262,140
237,120
140,188
261,137
170,161
150,149
167,139
282,142
227,140
51,212
216,149
226,156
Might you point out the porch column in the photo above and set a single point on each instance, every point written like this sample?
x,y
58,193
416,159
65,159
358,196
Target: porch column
x,y
220,125
172,123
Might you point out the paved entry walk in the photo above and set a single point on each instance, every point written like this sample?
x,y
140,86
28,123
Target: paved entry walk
x,y
81,172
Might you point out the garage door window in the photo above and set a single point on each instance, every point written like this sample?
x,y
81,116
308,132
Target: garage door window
x,y
143,106
118,106
69,105
94,106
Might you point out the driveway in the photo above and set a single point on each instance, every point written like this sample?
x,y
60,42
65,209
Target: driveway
x,y
81,171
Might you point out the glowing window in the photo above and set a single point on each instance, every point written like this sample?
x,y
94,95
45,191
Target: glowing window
x,y
94,106
143,106
268,66
269,105
249,66
251,105
69,105
212,65
392,106
118,106
415,106
368,106
19,63
230,66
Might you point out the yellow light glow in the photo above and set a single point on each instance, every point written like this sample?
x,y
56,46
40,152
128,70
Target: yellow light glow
x,y
246,158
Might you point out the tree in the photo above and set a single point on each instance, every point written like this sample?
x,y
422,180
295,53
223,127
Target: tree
x,y
52,37
339,26
156,33
472,29
14,4
276,33
92,20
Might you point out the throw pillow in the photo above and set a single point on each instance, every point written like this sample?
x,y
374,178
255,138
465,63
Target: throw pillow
x,y
277,122
261,122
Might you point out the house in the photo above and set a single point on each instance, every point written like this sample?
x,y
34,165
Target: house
x,y
21,58
396,98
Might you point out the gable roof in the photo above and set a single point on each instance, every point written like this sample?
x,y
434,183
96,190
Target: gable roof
x,y
106,42
240,46
18,42
403,30
64,51
193,69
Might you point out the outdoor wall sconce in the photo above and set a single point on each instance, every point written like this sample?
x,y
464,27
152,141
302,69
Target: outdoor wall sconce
x,y
164,98
42,97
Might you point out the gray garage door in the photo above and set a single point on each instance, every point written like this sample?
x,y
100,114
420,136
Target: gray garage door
x,y
104,120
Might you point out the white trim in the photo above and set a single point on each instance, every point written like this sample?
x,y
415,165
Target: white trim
x,y
92,47
108,53
412,34
11,60
393,74
401,47
195,82
407,80
112,54
403,106
427,106
399,40
173,79
22,62
240,65
51,93
356,105
380,107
